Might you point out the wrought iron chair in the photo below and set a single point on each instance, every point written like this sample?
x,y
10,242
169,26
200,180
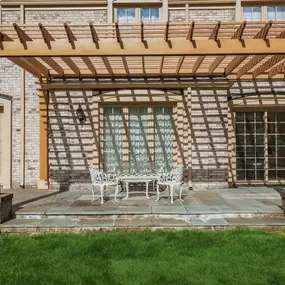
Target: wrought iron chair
x,y
172,179
102,179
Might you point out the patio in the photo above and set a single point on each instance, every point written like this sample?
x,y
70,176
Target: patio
x,y
41,211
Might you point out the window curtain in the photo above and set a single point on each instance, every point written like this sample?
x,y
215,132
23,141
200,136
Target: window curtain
x,y
138,127
113,131
163,138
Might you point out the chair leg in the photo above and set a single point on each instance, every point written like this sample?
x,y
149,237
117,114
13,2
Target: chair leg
x,y
102,193
180,190
93,193
157,191
116,192
171,192
146,192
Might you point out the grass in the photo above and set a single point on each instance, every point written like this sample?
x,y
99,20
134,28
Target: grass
x,y
130,258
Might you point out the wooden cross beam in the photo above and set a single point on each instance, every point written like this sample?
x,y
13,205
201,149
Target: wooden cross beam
x,y
54,65
46,35
142,32
161,65
108,65
179,65
125,63
118,34
38,66
166,33
26,66
191,32
94,35
237,35
267,65
70,63
89,64
23,37
262,34
277,69
215,32
70,36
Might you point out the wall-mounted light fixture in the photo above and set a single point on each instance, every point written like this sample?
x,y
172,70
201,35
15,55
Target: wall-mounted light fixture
x,y
80,114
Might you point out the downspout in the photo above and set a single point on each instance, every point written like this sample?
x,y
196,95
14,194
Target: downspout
x,y
23,113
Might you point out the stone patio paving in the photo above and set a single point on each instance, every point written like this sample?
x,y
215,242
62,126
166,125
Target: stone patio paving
x,y
42,210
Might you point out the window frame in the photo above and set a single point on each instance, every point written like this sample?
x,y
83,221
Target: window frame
x,y
264,9
138,11
232,146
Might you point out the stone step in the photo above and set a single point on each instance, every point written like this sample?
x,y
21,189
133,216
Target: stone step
x,y
138,223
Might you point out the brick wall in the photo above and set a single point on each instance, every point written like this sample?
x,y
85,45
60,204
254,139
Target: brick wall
x,y
177,15
208,15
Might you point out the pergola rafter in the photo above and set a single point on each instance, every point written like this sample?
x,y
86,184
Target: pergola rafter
x,y
229,49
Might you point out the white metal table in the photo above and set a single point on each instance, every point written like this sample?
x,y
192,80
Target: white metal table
x,y
127,179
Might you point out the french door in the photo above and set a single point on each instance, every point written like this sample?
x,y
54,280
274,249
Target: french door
x,y
138,136
260,146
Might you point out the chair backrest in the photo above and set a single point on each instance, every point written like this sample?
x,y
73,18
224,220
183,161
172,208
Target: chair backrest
x,y
96,175
100,177
177,173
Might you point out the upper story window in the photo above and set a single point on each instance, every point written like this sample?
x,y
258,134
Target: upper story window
x,y
136,15
276,13
126,15
149,15
252,13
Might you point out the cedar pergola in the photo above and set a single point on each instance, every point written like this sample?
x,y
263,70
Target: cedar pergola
x,y
231,50
142,56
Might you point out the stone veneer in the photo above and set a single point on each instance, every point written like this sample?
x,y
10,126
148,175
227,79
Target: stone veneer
x,y
207,15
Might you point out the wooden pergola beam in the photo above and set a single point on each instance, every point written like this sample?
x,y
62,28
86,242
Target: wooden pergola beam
x,y
54,65
280,68
237,35
166,33
46,35
215,32
118,34
159,47
23,37
267,65
132,85
142,32
70,36
125,63
191,32
94,35
26,66
262,34
179,65
70,63
40,67
161,65
108,65
89,64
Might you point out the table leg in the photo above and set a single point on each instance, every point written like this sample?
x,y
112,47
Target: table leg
x,y
146,185
127,189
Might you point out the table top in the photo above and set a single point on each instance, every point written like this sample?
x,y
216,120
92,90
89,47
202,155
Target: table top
x,y
138,177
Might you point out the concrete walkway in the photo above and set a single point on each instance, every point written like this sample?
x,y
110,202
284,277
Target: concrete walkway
x,y
41,211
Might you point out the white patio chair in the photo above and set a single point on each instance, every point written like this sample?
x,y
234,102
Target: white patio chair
x,y
171,180
102,179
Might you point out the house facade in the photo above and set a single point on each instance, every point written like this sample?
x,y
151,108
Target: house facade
x,y
225,134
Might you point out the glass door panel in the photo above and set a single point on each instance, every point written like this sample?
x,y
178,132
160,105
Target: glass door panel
x,y
163,143
250,157
138,131
276,145
113,131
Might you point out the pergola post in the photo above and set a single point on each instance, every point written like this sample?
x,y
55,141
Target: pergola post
x,y
43,107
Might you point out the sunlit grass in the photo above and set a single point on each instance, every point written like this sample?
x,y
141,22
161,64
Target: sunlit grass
x,y
181,257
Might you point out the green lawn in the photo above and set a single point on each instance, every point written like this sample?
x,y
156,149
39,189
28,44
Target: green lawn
x,y
129,258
